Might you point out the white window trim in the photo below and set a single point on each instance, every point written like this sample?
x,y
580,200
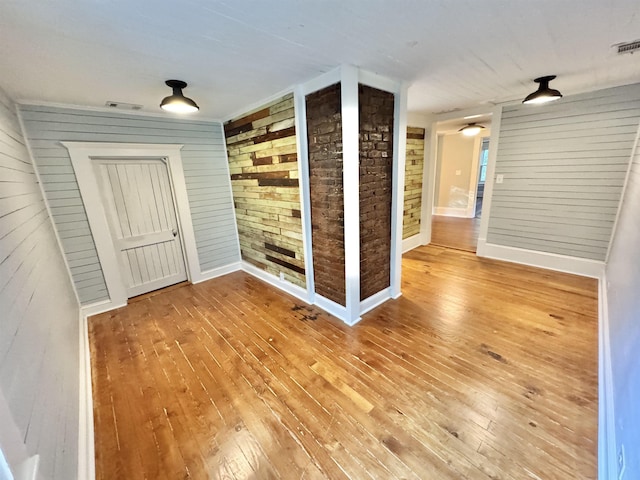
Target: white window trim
x,y
82,154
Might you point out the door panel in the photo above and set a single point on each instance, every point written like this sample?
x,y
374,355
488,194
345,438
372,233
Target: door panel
x,y
141,215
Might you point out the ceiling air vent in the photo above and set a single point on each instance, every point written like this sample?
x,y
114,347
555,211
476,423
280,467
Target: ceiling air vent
x,y
628,47
122,105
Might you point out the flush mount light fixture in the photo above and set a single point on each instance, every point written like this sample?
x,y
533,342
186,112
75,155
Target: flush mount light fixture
x,y
544,94
471,129
178,103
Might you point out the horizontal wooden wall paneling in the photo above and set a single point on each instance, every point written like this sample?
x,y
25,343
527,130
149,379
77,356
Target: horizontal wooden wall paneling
x,y
414,167
572,130
39,322
564,168
262,152
203,160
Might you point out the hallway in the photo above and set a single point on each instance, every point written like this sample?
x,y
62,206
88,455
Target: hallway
x,y
454,232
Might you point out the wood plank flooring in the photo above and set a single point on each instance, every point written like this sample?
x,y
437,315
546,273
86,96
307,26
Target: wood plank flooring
x,y
481,370
454,232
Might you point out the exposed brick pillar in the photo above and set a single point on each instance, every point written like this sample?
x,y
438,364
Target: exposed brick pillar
x,y
324,132
376,165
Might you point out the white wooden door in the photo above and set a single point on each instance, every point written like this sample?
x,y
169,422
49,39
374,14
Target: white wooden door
x,y
138,202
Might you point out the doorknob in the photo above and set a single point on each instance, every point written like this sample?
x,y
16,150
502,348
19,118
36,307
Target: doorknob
x,y
175,232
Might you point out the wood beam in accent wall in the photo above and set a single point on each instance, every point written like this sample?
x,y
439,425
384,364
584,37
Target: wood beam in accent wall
x,y
263,164
414,167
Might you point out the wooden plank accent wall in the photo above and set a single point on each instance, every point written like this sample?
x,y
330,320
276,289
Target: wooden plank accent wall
x,y
205,173
39,358
263,163
564,166
376,186
414,167
324,134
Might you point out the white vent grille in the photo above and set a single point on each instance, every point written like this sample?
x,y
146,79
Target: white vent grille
x,y
123,105
629,47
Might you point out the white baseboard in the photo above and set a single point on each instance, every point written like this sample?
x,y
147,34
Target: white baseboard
x,y
86,452
335,309
373,301
550,261
452,212
288,287
28,470
217,272
100,307
411,243
607,450
331,307
106,305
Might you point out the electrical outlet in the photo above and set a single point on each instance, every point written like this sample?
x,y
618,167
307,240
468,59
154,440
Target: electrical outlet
x,y
621,463
499,178
281,276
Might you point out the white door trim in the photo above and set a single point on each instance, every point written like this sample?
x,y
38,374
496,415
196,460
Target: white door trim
x,y
81,154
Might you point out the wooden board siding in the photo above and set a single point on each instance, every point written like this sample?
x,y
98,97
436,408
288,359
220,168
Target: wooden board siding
x,y
39,319
324,135
414,167
263,164
564,167
376,186
623,305
204,169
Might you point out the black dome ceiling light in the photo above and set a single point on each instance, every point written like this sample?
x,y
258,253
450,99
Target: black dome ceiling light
x,y
544,94
471,130
178,103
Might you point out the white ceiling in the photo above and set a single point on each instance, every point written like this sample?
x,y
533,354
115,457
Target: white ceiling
x,y
456,54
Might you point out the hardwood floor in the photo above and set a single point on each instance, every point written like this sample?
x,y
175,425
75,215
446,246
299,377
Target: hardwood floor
x,y
480,370
454,232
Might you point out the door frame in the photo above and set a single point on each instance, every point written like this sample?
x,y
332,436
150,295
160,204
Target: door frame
x,y
82,155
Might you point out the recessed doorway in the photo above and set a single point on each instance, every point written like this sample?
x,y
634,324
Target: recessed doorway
x,y
460,172
138,201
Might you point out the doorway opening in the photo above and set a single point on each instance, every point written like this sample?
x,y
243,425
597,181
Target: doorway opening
x,y
136,201
482,175
460,173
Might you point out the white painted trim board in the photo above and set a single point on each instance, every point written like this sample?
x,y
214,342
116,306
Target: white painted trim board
x,y
607,455
412,242
494,143
351,188
375,300
86,449
81,154
550,261
219,272
335,309
397,189
271,279
300,109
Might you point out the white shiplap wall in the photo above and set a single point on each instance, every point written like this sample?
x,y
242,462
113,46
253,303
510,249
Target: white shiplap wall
x,y
205,169
564,166
39,313
622,304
